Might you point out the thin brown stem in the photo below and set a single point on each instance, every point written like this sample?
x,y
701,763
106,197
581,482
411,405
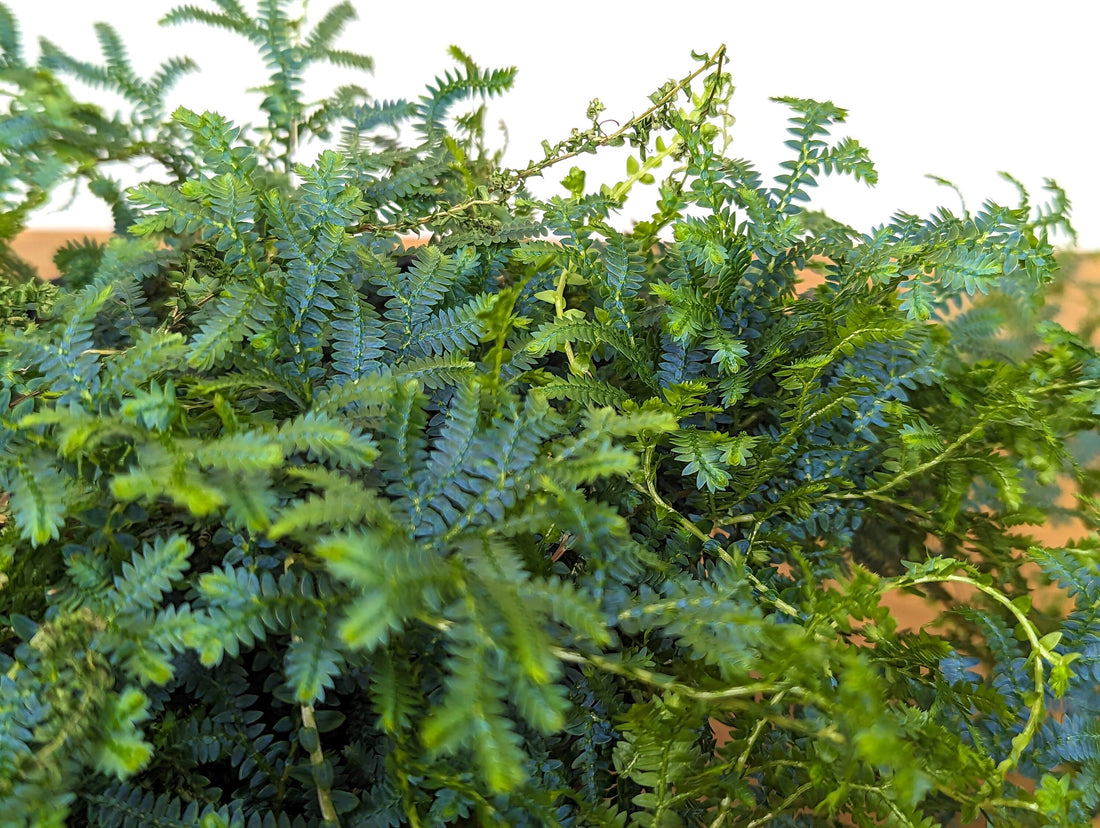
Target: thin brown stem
x,y
516,177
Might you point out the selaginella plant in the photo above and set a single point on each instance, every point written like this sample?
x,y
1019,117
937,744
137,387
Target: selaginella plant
x,y
545,521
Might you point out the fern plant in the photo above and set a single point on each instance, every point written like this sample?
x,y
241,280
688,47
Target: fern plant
x,y
542,522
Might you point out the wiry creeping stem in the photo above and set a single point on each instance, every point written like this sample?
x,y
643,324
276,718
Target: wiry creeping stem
x,y
321,771
509,181
1042,649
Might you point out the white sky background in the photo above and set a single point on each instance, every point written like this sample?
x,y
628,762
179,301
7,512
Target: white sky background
x,y
958,88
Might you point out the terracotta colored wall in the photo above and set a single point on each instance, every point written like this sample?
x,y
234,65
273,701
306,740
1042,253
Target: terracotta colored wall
x,y
38,246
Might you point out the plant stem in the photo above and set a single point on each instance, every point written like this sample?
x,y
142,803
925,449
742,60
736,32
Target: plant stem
x,y
1040,653
651,490
536,167
901,478
665,682
317,759
768,817
758,728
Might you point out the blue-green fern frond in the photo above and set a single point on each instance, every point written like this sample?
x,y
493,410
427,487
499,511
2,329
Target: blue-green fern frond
x,y
123,805
588,391
472,714
315,653
323,438
40,497
117,73
11,43
447,461
623,278
711,454
810,123
233,16
341,503
437,372
165,209
405,445
145,579
240,313
453,86
413,295
369,116
356,328
451,330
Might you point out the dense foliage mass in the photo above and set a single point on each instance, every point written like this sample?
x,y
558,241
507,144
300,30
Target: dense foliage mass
x,y
542,522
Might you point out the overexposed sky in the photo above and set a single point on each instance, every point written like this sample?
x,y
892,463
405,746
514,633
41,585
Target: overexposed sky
x,y
960,89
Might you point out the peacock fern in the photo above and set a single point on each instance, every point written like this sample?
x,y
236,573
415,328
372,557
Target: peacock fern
x,y
542,522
